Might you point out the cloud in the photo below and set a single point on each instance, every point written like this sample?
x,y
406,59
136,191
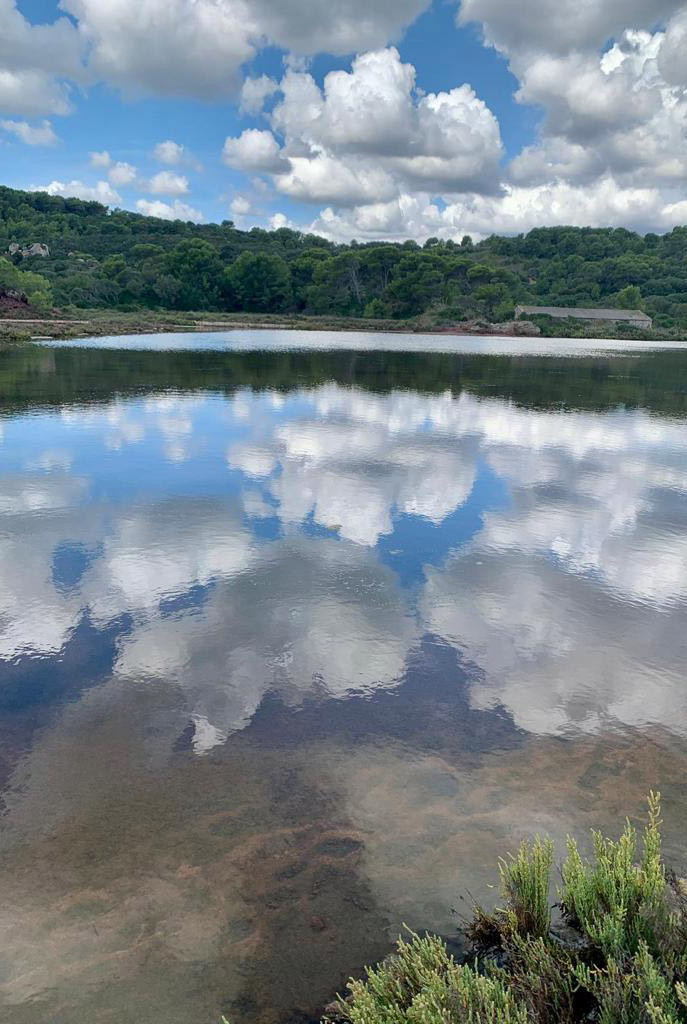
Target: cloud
x,y
592,130
365,136
52,48
601,203
32,135
169,152
367,141
367,144
169,211
280,220
326,179
30,93
201,45
33,61
545,26
348,27
167,183
253,150
100,159
198,50
174,153
240,206
254,92
101,192
122,173
609,79
671,58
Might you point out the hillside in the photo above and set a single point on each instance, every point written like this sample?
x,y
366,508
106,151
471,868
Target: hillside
x,y
125,261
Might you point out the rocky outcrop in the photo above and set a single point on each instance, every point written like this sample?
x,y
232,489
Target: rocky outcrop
x,y
26,251
10,299
511,328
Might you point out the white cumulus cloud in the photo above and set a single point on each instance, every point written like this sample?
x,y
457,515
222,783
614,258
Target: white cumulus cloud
x,y
253,150
255,91
168,183
33,135
169,211
169,152
122,173
100,159
101,192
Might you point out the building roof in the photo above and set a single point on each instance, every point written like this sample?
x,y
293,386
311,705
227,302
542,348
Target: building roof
x,y
581,313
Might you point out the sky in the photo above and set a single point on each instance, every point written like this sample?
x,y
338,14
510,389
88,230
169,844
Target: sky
x,y
366,119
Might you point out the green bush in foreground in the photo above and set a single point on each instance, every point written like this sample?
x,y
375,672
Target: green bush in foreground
x,y
422,983
622,960
525,880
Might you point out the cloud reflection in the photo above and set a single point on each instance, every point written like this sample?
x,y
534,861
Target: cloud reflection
x,y
567,599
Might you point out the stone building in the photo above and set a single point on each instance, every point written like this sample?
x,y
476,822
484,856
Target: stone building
x,y
635,317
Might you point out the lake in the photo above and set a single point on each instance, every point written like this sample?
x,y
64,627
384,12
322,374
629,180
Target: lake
x,y
300,632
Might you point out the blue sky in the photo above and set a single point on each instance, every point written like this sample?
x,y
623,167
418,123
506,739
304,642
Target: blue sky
x,y
409,119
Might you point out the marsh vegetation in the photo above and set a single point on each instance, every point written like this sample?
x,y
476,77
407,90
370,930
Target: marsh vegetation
x,y
617,953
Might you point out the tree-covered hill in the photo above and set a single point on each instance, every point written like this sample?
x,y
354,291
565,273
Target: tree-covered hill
x,y
122,260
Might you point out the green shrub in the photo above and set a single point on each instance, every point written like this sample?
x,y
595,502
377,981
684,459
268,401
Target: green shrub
x,y
542,977
36,288
526,881
525,889
423,984
624,961
633,990
617,903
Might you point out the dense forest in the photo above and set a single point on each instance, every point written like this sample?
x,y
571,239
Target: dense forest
x,y
120,260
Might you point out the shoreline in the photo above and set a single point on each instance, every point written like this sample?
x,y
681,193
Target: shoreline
x,y
100,323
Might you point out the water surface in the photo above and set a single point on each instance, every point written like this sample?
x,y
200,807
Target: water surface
x,y
296,639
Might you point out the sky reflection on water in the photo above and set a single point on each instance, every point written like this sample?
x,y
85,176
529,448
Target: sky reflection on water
x,y
233,620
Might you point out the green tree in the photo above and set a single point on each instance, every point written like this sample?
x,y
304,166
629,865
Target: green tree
x,y
197,267
261,282
629,297
36,288
417,284
493,297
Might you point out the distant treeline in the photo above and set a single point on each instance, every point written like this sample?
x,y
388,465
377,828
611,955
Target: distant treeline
x,y
122,260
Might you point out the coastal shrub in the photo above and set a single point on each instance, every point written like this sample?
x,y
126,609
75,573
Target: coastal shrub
x,y
36,288
422,984
525,889
634,989
526,880
618,957
617,903
542,977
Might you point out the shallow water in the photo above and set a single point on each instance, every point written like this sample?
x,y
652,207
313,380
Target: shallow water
x,y
293,644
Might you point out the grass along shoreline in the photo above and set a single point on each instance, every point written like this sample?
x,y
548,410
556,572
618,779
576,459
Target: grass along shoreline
x,y
616,955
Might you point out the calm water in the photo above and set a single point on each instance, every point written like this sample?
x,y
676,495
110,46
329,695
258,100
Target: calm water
x,y
293,644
